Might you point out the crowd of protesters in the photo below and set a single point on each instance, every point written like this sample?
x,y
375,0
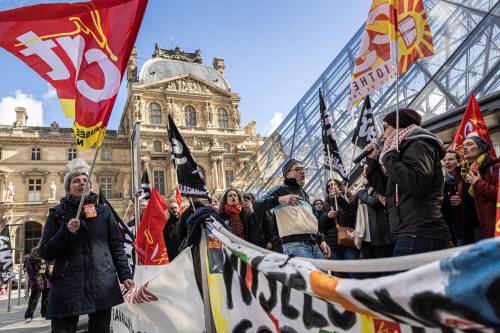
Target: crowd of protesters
x,y
416,197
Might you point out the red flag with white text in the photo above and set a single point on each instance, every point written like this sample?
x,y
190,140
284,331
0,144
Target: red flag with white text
x,y
81,49
472,121
149,243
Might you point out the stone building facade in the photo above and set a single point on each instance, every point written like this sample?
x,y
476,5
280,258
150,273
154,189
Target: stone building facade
x,y
33,159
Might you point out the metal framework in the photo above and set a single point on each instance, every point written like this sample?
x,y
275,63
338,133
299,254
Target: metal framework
x,y
466,35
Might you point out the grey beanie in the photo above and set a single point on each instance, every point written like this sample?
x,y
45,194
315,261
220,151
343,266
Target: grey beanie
x,y
288,165
484,147
77,167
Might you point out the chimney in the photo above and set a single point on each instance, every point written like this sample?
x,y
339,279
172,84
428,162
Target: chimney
x,y
219,65
21,116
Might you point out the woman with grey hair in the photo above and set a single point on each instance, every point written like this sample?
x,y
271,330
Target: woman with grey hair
x,y
89,257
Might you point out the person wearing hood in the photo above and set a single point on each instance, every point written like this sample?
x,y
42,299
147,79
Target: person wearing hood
x,y
89,257
481,172
297,226
409,172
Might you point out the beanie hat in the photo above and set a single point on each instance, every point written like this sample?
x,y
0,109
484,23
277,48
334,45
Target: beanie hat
x,y
484,147
407,117
288,165
77,167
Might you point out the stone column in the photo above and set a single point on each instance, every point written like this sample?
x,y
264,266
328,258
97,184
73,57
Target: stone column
x,y
222,173
215,173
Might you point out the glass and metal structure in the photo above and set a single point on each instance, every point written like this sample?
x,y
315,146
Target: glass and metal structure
x,y
466,35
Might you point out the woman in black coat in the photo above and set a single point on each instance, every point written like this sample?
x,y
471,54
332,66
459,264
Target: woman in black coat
x,y
344,216
89,259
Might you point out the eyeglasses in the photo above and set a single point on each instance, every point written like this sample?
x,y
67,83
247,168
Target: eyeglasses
x,y
298,169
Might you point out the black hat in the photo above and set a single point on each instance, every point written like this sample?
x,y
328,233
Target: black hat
x,y
288,165
407,117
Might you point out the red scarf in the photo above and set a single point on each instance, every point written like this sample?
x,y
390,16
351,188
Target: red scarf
x,y
235,224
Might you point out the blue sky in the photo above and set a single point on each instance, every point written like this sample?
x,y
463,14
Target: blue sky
x,y
273,51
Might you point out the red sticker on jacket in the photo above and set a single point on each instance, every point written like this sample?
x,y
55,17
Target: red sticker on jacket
x,y
89,210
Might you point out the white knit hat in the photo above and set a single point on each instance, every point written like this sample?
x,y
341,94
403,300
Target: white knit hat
x,y
77,167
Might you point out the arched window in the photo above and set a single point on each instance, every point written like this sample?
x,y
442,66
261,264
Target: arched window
x,y
190,116
154,113
223,118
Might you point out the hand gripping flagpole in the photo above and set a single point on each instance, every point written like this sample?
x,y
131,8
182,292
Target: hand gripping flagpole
x,y
82,199
331,174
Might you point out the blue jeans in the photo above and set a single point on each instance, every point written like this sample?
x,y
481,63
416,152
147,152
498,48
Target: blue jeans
x,y
345,253
412,245
302,249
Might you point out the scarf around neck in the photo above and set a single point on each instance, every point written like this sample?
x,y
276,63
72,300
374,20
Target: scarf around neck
x,y
235,224
392,143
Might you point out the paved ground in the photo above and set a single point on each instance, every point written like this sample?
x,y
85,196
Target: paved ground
x,y
13,321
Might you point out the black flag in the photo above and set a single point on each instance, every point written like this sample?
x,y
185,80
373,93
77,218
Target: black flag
x,y
127,234
191,180
6,262
145,186
365,131
329,143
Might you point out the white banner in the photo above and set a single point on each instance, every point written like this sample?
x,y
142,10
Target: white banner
x,y
165,299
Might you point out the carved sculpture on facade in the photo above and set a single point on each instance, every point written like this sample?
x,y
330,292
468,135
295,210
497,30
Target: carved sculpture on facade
x,y
188,85
17,124
126,188
137,109
54,126
53,191
235,113
208,112
10,197
174,111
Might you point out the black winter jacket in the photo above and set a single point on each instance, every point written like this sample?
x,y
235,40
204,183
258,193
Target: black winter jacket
x,y
377,217
87,264
346,217
417,171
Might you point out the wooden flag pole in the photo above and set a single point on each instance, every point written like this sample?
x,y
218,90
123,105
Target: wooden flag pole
x,y
331,175
87,183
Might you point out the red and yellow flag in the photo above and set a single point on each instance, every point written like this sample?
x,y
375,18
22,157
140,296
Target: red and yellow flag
x,y
82,50
396,34
472,121
149,243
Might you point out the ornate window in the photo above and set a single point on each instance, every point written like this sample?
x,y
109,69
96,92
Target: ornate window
x,y
157,146
35,189
71,153
159,179
154,113
36,154
106,155
190,114
227,147
223,118
106,186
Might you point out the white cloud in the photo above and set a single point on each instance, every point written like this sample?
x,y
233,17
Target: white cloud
x,y
33,107
50,94
273,123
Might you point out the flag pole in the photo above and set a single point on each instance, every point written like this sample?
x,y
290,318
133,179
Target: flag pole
x,y
126,211
350,165
87,183
331,175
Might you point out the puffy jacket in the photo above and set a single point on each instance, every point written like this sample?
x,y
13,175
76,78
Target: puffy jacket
x,y
485,198
377,217
416,169
295,223
87,264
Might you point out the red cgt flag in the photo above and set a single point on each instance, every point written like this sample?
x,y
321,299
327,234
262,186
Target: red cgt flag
x,y
81,49
472,122
149,243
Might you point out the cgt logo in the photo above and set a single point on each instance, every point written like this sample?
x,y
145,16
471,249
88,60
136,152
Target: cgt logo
x,y
73,45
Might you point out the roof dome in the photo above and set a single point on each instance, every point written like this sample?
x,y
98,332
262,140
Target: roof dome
x,y
157,69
